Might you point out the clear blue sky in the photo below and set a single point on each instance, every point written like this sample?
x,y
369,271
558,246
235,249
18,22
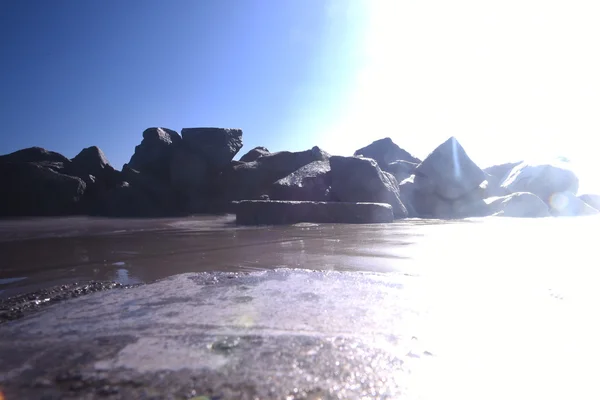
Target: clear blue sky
x,y
76,73
510,80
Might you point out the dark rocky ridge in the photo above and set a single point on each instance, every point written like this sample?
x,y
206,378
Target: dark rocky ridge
x,y
175,175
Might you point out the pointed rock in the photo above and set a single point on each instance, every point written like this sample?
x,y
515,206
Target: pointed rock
x,y
449,172
385,151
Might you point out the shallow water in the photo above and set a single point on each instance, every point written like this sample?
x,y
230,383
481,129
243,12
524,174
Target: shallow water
x,y
41,252
506,307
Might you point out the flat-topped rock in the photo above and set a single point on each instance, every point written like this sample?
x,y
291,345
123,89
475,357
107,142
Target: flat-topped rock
x,y
266,212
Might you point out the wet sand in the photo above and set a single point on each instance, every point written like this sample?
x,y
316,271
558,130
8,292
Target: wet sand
x,y
42,252
493,308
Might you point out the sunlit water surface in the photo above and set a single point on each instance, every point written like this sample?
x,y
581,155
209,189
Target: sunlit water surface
x,y
510,306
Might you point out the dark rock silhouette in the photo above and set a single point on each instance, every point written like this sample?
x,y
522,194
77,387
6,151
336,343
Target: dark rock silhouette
x,y
172,175
153,155
248,181
254,154
385,151
258,212
217,146
34,154
31,189
309,183
357,179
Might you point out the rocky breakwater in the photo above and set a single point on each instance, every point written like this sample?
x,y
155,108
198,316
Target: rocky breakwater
x,y
174,175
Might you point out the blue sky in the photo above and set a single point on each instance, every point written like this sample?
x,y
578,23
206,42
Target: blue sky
x,y
510,80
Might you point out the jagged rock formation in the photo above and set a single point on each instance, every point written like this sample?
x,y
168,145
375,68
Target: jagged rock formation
x,y
174,175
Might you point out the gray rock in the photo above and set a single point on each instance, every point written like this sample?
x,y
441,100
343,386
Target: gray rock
x,y
566,204
543,180
401,169
217,146
591,200
385,151
255,153
500,171
521,205
356,179
31,189
259,212
449,172
309,183
248,181
34,154
153,155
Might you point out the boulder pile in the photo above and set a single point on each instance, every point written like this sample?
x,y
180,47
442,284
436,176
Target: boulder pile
x,y
175,175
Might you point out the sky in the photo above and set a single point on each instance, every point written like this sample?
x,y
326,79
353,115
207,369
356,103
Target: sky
x,y
511,80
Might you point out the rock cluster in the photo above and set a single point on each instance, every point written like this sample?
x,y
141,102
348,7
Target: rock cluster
x,y
172,175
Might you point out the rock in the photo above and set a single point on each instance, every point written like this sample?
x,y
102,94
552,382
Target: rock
x,y
385,151
31,189
126,200
592,200
566,204
492,187
34,154
255,153
449,172
159,193
309,183
500,171
543,180
521,205
428,204
92,161
356,179
248,181
258,212
217,146
153,155
401,169
190,178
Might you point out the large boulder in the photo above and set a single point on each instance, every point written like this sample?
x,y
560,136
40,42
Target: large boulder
x,y
153,155
401,169
357,179
448,172
31,189
500,171
248,181
566,204
521,205
255,153
591,200
543,180
125,200
426,204
258,212
385,151
190,173
34,154
217,146
309,183
159,193
92,161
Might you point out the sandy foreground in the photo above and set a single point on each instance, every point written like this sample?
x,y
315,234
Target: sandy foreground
x,y
493,309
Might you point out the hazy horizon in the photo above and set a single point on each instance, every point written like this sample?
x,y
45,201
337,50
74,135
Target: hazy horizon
x,y
510,81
